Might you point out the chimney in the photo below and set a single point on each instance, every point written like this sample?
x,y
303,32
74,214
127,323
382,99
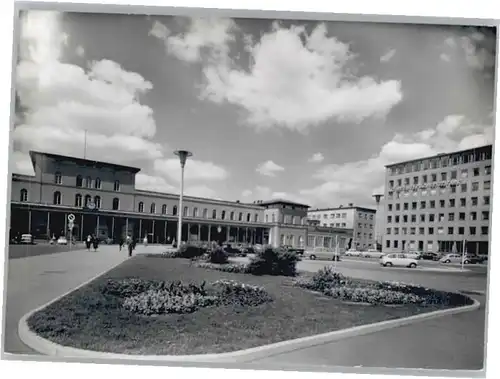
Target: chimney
x,y
351,204
238,201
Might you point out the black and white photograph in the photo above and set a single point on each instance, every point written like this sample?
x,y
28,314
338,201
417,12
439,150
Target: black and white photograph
x,y
212,188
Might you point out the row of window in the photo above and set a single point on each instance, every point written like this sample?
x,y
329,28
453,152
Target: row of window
x,y
444,176
431,192
87,182
432,204
365,235
439,230
473,216
440,162
324,241
336,225
361,215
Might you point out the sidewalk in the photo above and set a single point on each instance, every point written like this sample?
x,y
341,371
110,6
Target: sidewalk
x,y
34,281
446,343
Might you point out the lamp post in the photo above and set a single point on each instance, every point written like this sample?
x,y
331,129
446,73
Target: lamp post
x,y
377,198
183,156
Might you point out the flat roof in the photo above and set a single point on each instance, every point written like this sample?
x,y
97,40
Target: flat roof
x,y
339,208
489,147
281,201
85,162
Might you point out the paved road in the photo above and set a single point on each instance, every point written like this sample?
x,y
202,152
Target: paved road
x,y
35,280
24,251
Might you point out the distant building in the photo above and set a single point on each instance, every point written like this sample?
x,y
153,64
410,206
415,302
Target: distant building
x,y
358,219
438,202
103,198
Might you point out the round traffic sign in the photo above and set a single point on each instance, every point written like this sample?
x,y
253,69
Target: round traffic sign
x,y
71,217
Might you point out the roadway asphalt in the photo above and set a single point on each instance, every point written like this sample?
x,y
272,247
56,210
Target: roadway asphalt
x,y
24,251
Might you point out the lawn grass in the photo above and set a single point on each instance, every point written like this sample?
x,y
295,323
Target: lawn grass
x,y
86,319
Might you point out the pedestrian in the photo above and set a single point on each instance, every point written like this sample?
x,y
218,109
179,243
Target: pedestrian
x,y
88,242
130,247
121,243
95,243
145,241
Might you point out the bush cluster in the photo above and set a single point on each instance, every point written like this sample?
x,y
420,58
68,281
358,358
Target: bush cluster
x,y
272,261
372,295
147,297
326,278
218,256
235,268
191,251
234,293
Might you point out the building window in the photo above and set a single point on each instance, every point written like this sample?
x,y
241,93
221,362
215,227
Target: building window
x,y
431,217
454,174
431,231
474,201
422,204
487,185
463,201
185,212
214,214
472,230
484,230
88,182
174,210
486,215
388,244
152,209
97,202
486,200
267,218
463,187
23,195
78,200
450,230
240,217
451,216
452,203
461,216
476,171
248,217
97,183
117,185
453,189
432,204
424,179
389,207
116,204
273,218
57,198
441,217
141,207
256,218
88,200
395,244
422,218
421,231
405,218
473,216
223,215
440,230
413,218
389,219
443,176
405,207
442,203
195,212
79,181
398,206
475,186
414,205
231,215
464,173
58,178
487,170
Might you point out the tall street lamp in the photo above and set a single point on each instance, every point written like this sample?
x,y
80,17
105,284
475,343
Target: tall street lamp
x,y
377,197
183,156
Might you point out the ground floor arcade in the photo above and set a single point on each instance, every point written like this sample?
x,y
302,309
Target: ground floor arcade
x,y
45,224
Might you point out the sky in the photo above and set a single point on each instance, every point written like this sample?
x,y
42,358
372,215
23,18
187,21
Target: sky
x,y
306,111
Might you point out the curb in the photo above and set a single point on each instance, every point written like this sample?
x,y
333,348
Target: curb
x,y
50,348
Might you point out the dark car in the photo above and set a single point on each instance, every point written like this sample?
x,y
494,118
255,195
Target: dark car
x,y
430,256
473,259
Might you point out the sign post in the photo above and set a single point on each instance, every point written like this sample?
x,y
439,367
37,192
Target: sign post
x,y
71,225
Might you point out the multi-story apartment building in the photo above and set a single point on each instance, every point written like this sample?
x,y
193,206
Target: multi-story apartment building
x,y
104,201
359,219
439,203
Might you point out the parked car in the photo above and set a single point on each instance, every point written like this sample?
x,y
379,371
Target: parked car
x,y
398,259
412,254
353,253
451,258
322,253
27,239
429,256
473,259
62,241
372,253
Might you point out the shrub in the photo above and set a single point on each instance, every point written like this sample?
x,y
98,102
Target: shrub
x,y
218,256
373,295
127,287
190,251
234,293
236,268
274,262
326,278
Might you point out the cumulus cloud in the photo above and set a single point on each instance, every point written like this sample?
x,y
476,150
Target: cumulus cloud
x,y
80,51
356,181
269,168
65,105
322,88
159,30
195,170
317,158
445,57
388,56
247,193
154,183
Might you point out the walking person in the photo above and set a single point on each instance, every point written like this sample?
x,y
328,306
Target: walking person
x,y
130,246
121,243
95,243
88,242
145,241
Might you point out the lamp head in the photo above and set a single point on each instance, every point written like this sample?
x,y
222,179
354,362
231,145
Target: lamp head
x,y
377,197
183,156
